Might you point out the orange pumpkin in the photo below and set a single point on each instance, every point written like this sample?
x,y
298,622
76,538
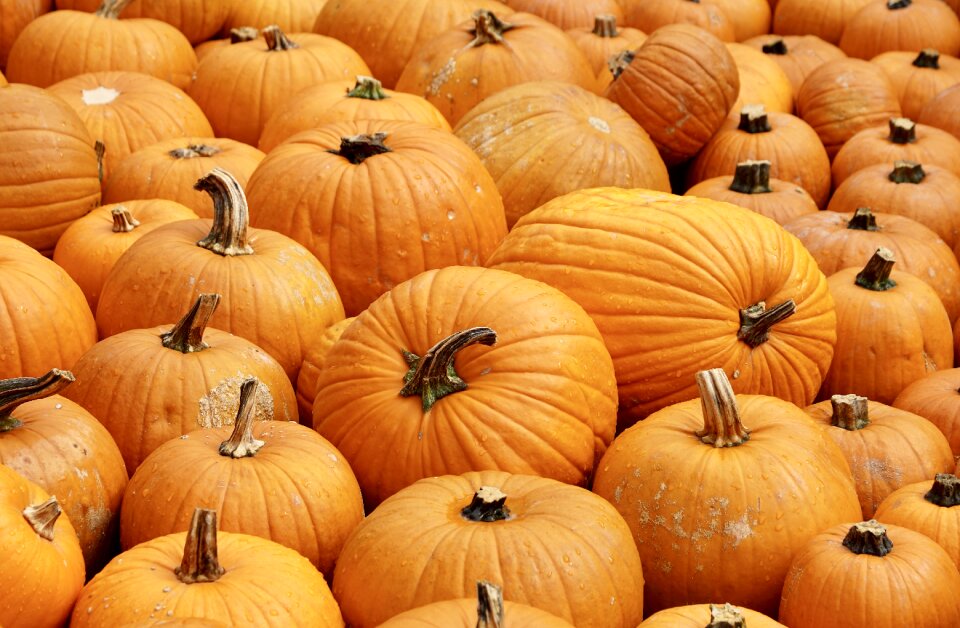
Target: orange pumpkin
x,y
567,14
750,18
198,20
14,17
884,25
709,615
918,78
929,510
797,55
825,19
293,16
313,362
236,36
941,111
761,80
603,41
936,397
649,16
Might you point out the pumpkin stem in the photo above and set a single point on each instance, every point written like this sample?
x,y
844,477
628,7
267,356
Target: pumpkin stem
x,y
489,605
487,505
100,150
194,150
775,47
200,563
902,131
907,172
111,9
43,517
367,88
241,442
756,321
605,25
722,426
487,28
876,274
358,148
619,62
752,177
433,377
243,33
187,335
868,537
753,119
945,491
228,235
726,616
928,58
17,391
850,412
276,39
893,5
863,220
123,220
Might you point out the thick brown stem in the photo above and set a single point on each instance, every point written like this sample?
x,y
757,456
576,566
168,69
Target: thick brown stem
x,y
726,616
101,150
775,47
850,412
358,148
605,25
902,131
752,177
243,33
945,491
489,605
111,9
43,517
488,504
753,119
487,28
241,442
200,562
756,321
619,62
367,88
187,335
228,235
192,151
863,220
19,390
868,537
893,5
276,39
123,220
876,274
907,172
928,58
432,377
722,426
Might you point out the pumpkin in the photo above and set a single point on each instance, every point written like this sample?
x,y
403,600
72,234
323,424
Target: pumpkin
x,y
265,279
927,508
761,80
750,18
540,140
603,41
198,20
797,55
239,576
918,77
130,110
235,36
678,479
48,323
787,142
659,282
480,57
471,527
293,16
844,240
884,25
871,573
342,101
169,168
14,17
679,85
262,74
924,192
62,44
752,187
715,616
41,196
900,139
825,19
941,111
844,96
896,330
340,189
43,566
649,16
313,361
405,383
122,380
935,397
567,14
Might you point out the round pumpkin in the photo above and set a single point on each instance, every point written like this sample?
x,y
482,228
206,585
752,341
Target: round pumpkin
x,y
797,55
750,18
236,36
14,17
709,615
198,20
313,361
918,77
293,16
941,111
936,397
825,19
928,508
762,81
649,16
567,14
603,41
884,25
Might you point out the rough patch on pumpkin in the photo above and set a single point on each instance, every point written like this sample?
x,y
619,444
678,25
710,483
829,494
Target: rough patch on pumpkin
x,y
219,406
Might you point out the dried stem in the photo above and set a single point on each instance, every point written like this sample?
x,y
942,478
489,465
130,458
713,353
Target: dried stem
x,y
850,412
187,335
241,442
488,504
17,391
433,377
722,426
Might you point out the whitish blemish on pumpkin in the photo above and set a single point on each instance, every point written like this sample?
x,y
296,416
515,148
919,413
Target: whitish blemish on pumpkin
x,y
441,77
99,96
598,124
219,406
738,530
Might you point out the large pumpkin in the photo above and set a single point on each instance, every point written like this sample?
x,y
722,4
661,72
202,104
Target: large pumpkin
x,y
709,615
762,81
677,282
941,111
797,55
293,16
885,25
14,17
649,16
918,77
936,397
313,361
198,20
825,19
929,508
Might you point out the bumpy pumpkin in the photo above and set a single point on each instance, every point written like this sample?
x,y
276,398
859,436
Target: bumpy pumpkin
x,y
797,55
929,508
936,397
603,41
313,362
709,615
883,25
918,77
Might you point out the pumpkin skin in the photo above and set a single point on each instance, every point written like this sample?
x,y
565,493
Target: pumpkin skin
x,y
762,81
649,16
750,18
567,14
893,448
679,86
603,41
48,323
429,191
484,55
656,356
198,20
450,552
313,362
64,449
14,17
541,140
797,55
916,581
699,615
558,427
918,78
62,44
697,527
825,20
884,25
929,510
42,577
168,169
935,397
341,101
941,111
40,197
462,613
130,110
293,16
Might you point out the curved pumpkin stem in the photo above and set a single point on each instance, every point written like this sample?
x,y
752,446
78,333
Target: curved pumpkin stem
x,y
17,391
902,131
619,62
945,491
775,46
605,25
752,177
358,148
876,274
243,33
277,40
123,220
850,412
432,377
228,235
488,504
907,172
241,442
753,119
722,426
200,562
489,605
868,537
43,517
863,220
756,321
487,28
111,9
187,335
726,616
367,88
192,151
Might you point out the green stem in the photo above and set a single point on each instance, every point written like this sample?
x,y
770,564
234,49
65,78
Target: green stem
x,y
111,9
17,391
432,377
367,88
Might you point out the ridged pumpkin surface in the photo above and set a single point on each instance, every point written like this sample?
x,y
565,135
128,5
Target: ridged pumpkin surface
x,y
462,613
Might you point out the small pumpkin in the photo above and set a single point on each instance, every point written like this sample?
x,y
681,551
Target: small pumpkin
x,y
918,77
797,55
762,81
884,25
603,41
825,19
941,111
313,362
649,16
927,508
709,615
936,397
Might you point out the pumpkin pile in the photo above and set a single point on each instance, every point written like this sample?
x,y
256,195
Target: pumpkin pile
x,y
594,313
